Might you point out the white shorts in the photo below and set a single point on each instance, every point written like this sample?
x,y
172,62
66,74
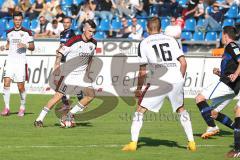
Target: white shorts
x,y
73,83
218,92
16,72
175,96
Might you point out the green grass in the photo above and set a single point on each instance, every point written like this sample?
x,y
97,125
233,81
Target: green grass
x,y
102,138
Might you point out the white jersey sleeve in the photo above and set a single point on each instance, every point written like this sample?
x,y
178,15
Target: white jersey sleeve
x,y
65,50
176,49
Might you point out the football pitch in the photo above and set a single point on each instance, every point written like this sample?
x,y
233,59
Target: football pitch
x,y
102,138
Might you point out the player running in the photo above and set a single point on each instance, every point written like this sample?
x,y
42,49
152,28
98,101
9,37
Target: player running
x,y
160,52
82,46
19,40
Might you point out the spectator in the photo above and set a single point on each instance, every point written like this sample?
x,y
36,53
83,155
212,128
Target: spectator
x,y
24,7
137,8
54,29
124,31
173,30
46,12
134,34
41,30
60,15
104,9
124,8
137,27
52,6
85,13
7,8
175,9
199,13
212,20
36,9
191,9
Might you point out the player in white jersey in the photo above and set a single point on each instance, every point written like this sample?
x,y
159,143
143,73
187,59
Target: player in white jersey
x,y
82,46
164,57
19,40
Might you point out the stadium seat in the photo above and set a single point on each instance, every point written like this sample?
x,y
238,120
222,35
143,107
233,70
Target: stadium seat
x,y
200,22
34,24
3,23
9,24
74,25
209,9
232,12
153,11
77,32
228,22
100,35
145,34
238,20
211,36
143,23
116,24
26,23
79,2
129,22
182,2
198,36
4,36
104,25
66,3
186,36
165,22
190,24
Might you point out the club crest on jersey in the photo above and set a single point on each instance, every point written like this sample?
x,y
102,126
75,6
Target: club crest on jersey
x,y
91,48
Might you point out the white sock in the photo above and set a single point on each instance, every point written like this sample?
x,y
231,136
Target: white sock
x,y
187,125
77,108
43,113
22,99
136,125
6,96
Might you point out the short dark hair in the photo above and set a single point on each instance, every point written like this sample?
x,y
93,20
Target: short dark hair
x,y
230,31
91,23
66,17
17,14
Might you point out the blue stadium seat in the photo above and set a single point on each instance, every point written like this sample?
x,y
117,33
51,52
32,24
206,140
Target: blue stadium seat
x,y
67,3
79,2
34,24
186,36
143,23
100,35
26,23
129,22
77,32
198,36
4,36
211,36
16,2
200,22
145,34
104,25
165,22
190,24
182,2
116,24
9,24
228,22
238,20
232,12
153,11
32,1
3,23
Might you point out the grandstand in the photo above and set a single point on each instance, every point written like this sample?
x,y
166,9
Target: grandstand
x,y
231,17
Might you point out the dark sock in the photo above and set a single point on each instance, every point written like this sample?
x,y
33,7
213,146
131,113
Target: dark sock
x,y
65,100
206,113
80,96
237,134
225,120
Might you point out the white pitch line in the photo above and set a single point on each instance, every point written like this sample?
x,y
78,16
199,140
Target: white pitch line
x,y
98,146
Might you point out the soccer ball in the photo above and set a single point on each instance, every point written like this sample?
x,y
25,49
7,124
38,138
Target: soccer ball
x,y
67,124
